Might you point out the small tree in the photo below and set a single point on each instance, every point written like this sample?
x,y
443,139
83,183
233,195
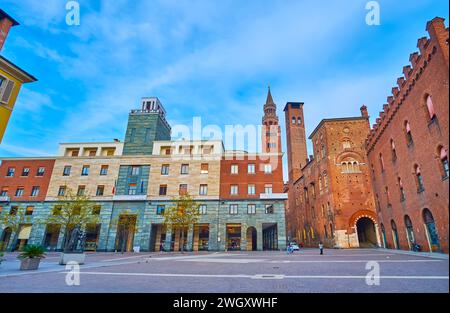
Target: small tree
x,y
71,211
14,220
125,221
183,214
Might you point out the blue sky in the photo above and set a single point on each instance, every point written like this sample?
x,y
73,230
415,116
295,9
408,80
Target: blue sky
x,y
212,59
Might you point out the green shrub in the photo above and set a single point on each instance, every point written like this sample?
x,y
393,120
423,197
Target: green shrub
x,y
32,251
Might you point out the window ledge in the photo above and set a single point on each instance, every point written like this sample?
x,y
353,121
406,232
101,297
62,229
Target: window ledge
x,y
444,178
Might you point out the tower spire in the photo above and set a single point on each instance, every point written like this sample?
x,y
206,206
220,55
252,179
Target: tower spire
x,y
269,97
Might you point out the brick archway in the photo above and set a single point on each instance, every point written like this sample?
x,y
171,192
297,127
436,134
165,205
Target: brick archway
x,y
360,214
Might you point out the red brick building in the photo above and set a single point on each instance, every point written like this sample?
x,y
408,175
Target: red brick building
x,y
330,195
408,150
25,179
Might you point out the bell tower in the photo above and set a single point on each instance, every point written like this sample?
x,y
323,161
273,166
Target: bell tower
x,y
271,131
296,139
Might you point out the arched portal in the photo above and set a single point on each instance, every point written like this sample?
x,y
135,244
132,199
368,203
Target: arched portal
x,y
432,234
251,239
367,236
5,238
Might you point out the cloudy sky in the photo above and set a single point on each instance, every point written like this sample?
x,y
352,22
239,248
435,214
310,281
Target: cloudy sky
x,y
212,59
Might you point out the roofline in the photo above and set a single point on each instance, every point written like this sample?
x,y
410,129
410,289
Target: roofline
x,y
339,119
3,13
90,143
285,107
28,158
17,72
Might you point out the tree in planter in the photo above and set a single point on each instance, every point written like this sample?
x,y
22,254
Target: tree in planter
x,y
73,212
14,221
182,215
126,223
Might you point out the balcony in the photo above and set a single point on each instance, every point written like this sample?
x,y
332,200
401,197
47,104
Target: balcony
x,y
272,196
4,199
129,197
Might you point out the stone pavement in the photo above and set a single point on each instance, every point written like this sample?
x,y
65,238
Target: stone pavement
x,y
210,272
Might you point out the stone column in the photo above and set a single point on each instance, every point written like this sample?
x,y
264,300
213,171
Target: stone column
x,y
259,237
168,239
190,237
243,237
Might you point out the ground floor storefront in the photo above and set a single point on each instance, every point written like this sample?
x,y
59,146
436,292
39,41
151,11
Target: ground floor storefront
x,y
129,226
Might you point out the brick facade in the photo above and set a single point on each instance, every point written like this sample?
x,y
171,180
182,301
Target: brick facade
x,y
407,140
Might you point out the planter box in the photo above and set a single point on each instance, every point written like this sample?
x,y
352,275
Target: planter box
x,y
72,257
29,264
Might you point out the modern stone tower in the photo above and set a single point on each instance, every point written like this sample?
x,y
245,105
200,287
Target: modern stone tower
x,y
271,131
146,126
296,139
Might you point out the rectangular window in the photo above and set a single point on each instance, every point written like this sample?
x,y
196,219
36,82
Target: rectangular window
x,y
19,192
251,209
29,210
74,153
135,170
251,168
148,134
183,189
267,169
85,170
61,191
233,209
40,171
165,168
234,169
132,135
269,209
81,190
10,172
92,153
234,190
163,190
160,209
203,190
35,191
268,189
204,169
66,171
251,189
132,189
104,170
185,169
25,171
100,191
202,209
4,192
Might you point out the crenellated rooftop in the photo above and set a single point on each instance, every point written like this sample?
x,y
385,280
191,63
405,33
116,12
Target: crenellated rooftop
x,y
411,74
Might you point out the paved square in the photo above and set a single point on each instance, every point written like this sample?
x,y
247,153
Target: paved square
x,y
267,272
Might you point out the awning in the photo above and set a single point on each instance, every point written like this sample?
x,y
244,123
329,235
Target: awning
x,y
25,232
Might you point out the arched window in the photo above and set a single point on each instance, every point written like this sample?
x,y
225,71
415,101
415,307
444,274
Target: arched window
x,y
383,234
388,200
430,107
419,179
324,151
325,181
331,231
299,120
395,234
444,162
346,144
409,231
320,184
350,166
293,120
381,162
430,226
394,151
408,133
401,189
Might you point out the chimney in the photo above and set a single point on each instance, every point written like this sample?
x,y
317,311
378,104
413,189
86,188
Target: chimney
x,y
364,112
6,22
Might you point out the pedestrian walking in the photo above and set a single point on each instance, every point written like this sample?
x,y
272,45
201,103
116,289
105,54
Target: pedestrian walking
x,y
321,247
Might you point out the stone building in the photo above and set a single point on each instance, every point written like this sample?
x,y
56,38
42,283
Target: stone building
x,y
408,150
330,193
138,179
